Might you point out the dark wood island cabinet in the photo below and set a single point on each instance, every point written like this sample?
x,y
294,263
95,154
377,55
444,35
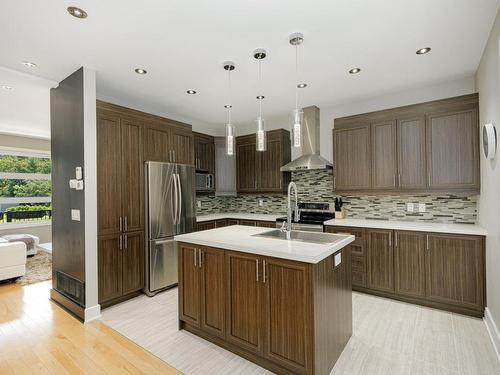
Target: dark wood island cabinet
x,y
288,316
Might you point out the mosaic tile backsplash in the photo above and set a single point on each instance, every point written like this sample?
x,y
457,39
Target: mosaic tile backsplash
x,y
317,186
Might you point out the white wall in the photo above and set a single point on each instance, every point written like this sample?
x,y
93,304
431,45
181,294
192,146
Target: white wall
x,y
488,86
414,95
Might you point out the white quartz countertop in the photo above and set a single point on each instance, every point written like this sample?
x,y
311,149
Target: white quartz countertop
x,y
240,238
243,216
471,229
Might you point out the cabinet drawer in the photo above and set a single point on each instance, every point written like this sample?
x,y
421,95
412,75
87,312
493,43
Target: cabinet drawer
x,y
359,233
357,249
359,278
358,263
266,224
221,223
251,223
232,222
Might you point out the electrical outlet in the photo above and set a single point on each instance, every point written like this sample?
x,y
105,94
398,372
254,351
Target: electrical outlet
x,y
409,207
75,215
338,259
198,203
421,207
261,202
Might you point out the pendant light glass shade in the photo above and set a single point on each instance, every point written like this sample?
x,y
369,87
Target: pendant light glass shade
x,y
260,140
229,139
298,119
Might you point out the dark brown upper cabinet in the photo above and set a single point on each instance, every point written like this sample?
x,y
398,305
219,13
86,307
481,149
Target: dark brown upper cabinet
x,y
259,171
352,155
204,152
119,174
411,153
169,143
384,155
453,149
432,146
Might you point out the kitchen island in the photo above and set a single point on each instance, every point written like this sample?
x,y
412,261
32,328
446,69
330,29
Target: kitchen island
x,y
283,304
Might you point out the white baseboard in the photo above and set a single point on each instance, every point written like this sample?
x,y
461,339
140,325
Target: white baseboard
x,y
493,331
92,313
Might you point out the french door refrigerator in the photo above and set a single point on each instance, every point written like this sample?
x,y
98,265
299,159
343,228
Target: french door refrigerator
x,y
170,210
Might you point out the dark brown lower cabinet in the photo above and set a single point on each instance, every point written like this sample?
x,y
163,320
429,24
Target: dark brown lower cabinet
x,y
250,223
445,271
380,260
266,224
289,317
233,221
205,225
221,223
120,266
409,259
455,270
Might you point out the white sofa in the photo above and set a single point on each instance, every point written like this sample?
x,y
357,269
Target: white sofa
x,y
12,260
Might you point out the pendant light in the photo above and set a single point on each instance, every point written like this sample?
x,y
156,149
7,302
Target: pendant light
x,y
260,139
229,66
295,40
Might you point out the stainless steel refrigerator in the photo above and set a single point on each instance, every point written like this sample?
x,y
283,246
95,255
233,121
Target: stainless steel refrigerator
x,y
170,210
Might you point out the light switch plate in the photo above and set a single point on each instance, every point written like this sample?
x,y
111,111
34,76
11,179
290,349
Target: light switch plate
x,y
338,259
421,207
79,184
409,207
72,183
78,173
198,203
75,215
261,202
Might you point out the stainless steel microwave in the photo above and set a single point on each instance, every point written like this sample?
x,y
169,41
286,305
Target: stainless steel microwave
x,y
204,182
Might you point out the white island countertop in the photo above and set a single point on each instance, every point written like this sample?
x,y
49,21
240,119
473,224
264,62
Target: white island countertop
x,y
471,229
240,238
238,215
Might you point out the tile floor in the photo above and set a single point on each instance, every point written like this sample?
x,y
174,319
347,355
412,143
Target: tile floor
x,y
389,337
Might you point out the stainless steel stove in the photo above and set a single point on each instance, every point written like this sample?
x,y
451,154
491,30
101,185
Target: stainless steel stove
x,y
311,216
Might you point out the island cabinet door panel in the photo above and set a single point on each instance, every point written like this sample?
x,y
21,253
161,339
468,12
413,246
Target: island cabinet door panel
x,y
189,284
288,312
453,149
132,176
133,262
384,156
212,290
109,172
455,270
411,153
244,300
352,153
109,267
380,260
409,259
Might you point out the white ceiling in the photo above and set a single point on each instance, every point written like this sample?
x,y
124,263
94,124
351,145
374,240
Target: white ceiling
x,y
182,44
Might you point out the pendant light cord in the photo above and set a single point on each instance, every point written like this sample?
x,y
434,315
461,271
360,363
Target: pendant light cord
x,y
260,88
296,78
230,105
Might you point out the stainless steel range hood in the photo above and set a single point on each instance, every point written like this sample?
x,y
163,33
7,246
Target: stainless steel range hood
x,y
310,159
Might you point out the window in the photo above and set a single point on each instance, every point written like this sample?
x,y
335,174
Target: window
x,y
25,186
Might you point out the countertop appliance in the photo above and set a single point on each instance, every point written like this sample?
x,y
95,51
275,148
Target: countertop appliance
x,y
204,182
170,210
311,216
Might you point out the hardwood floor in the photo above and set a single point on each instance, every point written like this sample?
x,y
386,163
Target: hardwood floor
x,y
390,337
39,337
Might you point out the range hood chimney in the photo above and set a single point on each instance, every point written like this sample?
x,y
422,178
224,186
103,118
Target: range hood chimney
x,y
310,159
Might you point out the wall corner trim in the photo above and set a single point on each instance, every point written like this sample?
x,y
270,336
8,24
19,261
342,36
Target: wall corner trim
x,y
92,313
493,331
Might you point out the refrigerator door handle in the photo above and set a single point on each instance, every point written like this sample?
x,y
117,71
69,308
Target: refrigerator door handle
x,y
180,199
159,242
176,198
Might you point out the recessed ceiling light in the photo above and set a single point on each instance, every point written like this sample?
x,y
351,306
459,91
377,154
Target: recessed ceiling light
x,y
29,64
302,85
227,106
7,87
260,97
354,71
423,51
140,71
191,92
77,12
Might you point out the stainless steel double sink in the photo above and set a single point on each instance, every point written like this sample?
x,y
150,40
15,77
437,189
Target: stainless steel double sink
x,y
302,236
